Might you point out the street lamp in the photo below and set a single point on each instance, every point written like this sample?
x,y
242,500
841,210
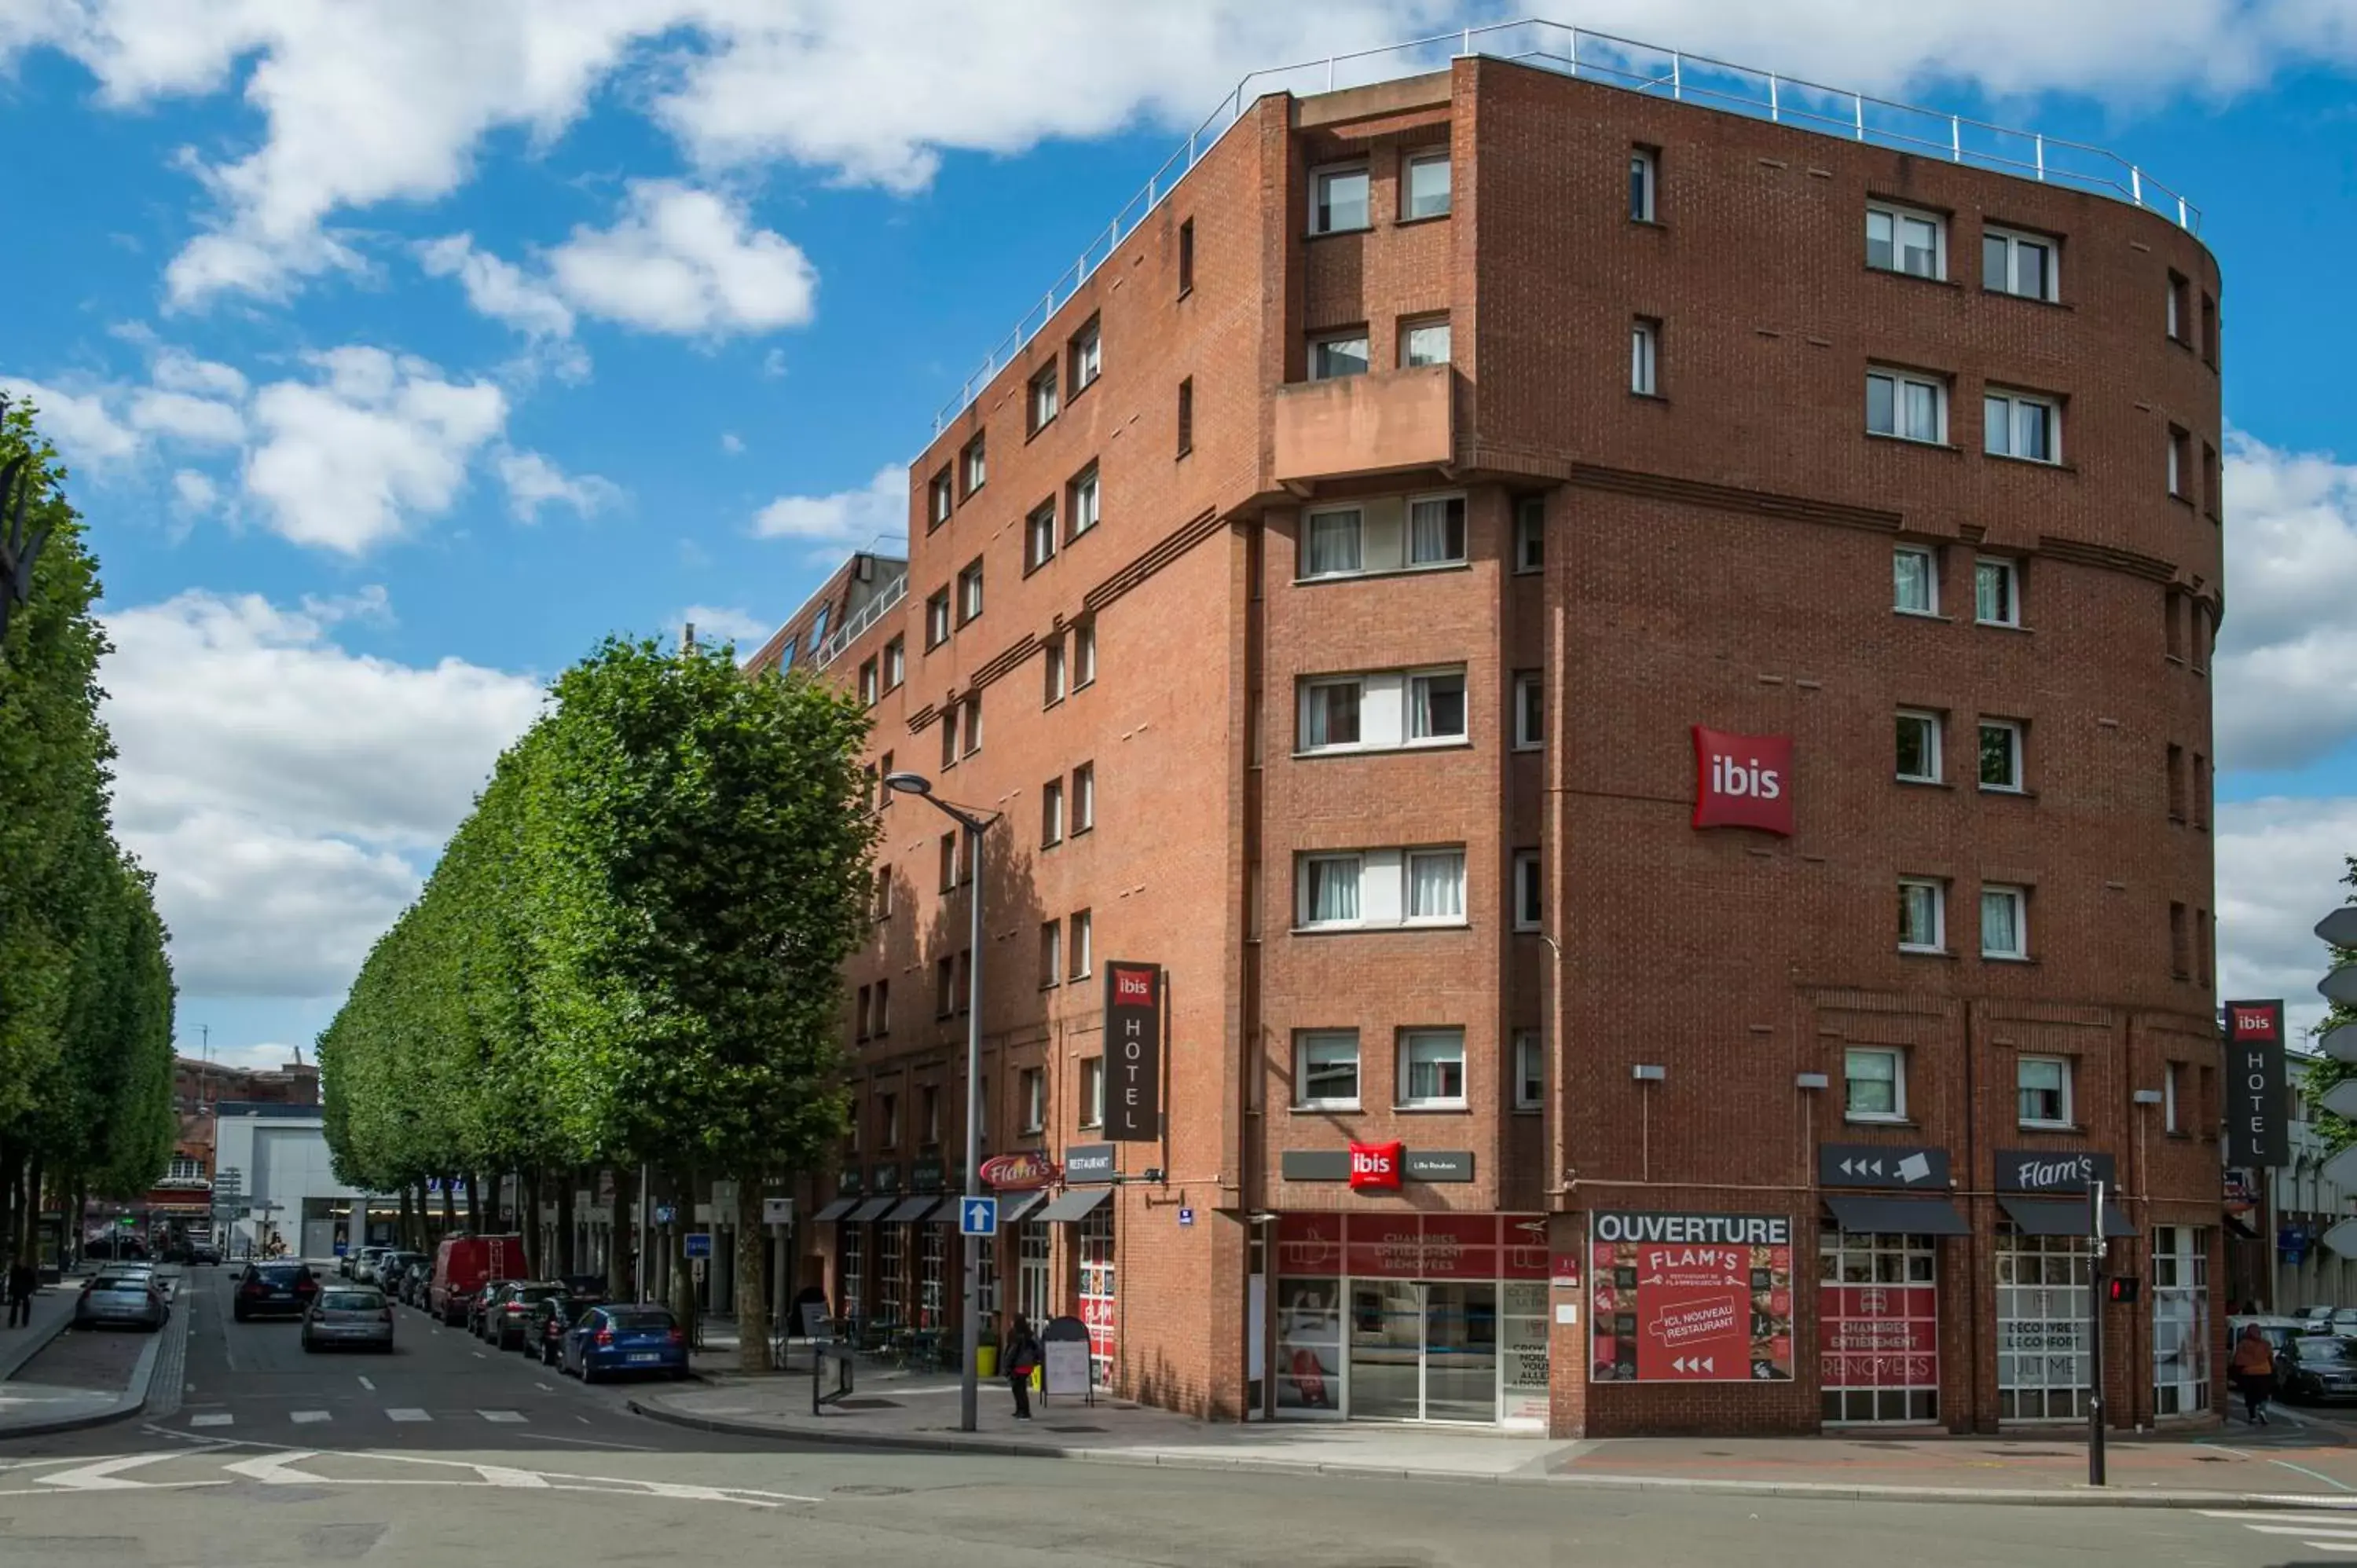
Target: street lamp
x,y
917,784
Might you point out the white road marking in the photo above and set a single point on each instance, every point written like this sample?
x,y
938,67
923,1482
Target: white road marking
x,y
100,1476
480,1357
211,1419
596,1443
510,1415
507,1475
407,1413
271,1469
307,1417
543,1387
370,1386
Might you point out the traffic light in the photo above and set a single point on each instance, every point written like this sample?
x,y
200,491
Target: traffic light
x,y
2121,1290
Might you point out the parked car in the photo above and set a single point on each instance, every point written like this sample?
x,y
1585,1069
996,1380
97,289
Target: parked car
x,y
2315,1319
2317,1368
115,1296
278,1287
413,1282
551,1318
510,1313
2278,1332
356,1315
114,1246
364,1267
611,1339
462,1265
204,1254
390,1268
479,1306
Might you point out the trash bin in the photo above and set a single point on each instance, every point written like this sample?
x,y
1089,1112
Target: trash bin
x,y
986,1360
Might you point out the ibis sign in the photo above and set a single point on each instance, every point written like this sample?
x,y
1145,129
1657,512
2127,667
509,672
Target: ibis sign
x,y
2255,1085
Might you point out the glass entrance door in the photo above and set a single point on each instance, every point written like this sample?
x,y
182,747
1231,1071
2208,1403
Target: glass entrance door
x,y
1424,1352
1387,1350
1461,1351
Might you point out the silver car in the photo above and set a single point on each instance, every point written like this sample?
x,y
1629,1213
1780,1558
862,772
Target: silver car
x,y
348,1315
128,1299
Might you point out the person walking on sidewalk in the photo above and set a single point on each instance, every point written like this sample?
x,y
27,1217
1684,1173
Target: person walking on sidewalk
x,y
22,1285
1022,1358
2253,1370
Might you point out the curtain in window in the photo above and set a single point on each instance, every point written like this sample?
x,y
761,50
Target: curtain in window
x,y
1334,889
1923,404
2000,925
1911,580
1438,706
1437,890
1435,1066
1437,530
1333,716
1333,543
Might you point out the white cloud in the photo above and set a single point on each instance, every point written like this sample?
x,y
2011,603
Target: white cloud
x,y
731,443
847,519
2287,661
506,292
348,460
194,490
2279,867
532,482
176,370
199,421
687,261
283,790
78,425
721,624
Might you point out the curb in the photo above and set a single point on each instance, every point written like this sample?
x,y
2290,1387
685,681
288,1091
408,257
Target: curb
x,y
1821,1491
12,1359
135,1397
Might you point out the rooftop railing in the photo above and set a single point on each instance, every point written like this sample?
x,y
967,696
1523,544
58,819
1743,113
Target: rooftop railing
x,y
1634,67
863,617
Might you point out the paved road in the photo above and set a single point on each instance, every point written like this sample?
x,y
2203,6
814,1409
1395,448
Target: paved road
x,y
450,1452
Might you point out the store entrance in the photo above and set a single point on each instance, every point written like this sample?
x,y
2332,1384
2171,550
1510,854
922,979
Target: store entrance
x,y
1424,1350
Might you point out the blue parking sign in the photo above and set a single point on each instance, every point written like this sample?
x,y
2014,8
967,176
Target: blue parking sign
x,y
699,1243
978,1217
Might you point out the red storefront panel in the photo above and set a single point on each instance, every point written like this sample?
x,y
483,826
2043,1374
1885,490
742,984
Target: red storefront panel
x,y
1880,1337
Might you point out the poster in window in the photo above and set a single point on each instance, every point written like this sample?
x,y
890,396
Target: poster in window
x,y
1309,1345
1691,1298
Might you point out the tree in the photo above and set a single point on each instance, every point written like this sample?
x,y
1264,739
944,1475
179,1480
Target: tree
x,y
2323,1073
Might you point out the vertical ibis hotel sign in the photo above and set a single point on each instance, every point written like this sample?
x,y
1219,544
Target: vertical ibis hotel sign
x,y
1133,1052
2255,1085
1691,1298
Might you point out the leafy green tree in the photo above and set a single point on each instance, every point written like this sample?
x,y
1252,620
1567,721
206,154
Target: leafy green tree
x,y
2323,1073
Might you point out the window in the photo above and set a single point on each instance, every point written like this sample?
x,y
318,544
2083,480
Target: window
x,y
1436,707
887,1112
1435,528
1918,746
1086,355
1530,1071
2181,454
976,463
2175,306
1031,1089
2180,942
1330,714
928,1113
1039,537
2001,754
1914,581
970,593
2018,263
1186,258
1874,1084
1079,950
1185,416
1529,905
2172,1090
2214,495
1644,349
1092,1092
1900,239
1084,798
1051,953
2005,928
949,857
1530,711
1329,889
895,663
1436,886
1084,654
2023,425
937,617
1996,592
1432,1067
883,1008
1326,1069
965,973
1424,342
1338,354
883,892
1051,813
1644,180
1338,200
1334,538
973,706
786,655
2180,1319
2044,1083
868,681
1425,186
1052,674
2202,933
940,498
1530,534
2209,331
2200,792
1910,406
1921,915
1043,399
949,735
883,771
1082,499
2172,611
2176,764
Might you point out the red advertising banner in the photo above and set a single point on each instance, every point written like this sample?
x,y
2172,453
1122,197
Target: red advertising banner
x,y
1878,1337
1691,1298
1412,1246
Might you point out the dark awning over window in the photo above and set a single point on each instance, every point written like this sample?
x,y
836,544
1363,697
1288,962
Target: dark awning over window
x,y
1077,1204
835,1210
1013,1208
912,1209
1897,1216
874,1208
2061,1216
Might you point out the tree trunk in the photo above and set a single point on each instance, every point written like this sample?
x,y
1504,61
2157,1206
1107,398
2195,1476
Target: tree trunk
x,y
752,1278
683,1277
565,1256
408,1214
535,1251
11,1160
621,1231
473,1204
28,1212
449,1215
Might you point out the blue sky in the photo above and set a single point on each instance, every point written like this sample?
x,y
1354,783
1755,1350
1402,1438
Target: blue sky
x,y
402,349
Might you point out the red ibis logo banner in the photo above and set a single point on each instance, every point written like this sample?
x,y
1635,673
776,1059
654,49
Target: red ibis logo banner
x,y
1743,780
1133,1036
1375,1166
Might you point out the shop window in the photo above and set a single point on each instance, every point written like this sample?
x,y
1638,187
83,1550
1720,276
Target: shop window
x,y
2180,1316
1879,1317
2042,1349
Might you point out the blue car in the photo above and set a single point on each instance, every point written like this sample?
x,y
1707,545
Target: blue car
x,y
626,1338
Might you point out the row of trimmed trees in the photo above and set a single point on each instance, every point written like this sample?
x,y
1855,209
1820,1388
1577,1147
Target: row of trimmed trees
x,y
627,955
85,987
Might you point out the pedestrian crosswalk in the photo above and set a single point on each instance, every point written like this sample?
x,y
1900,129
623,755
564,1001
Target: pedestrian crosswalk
x,y
2318,1530
214,1420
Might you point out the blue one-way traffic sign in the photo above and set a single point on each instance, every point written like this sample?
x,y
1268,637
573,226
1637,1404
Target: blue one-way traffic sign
x,y
978,1217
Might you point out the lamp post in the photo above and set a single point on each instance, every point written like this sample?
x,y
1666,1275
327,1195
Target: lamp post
x,y
917,784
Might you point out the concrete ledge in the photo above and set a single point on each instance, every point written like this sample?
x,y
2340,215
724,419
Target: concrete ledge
x,y
133,1399
997,1448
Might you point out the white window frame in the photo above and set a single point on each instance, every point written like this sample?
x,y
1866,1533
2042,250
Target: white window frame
x,y
2020,898
1320,208
1039,536
2019,732
2014,239
1530,892
1410,1101
1897,1057
1358,526
972,715
1087,503
2010,571
1303,1042
1084,798
1084,654
944,498
1323,340
1437,158
1088,356
1899,216
895,663
2176,443
1047,397
1465,530
2174,314
938,621
2170,1073
1080,949
1032,1082
870,680
2019,1089
1052,954
1530,534
1644,356
1051,813
1053,675
1931,560
1408,329
1530,728
1939,903
1530,1070
1644,185
1417,698
1311,692
1901,381
969,595
1092,1095
974,459
1408,864
2016,404
1931,722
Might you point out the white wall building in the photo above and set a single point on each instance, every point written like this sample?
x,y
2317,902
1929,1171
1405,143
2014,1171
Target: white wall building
x,y
281,1151
2305,1205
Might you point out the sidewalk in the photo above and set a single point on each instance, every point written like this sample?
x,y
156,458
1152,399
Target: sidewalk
x,y
2302,1459
36,1410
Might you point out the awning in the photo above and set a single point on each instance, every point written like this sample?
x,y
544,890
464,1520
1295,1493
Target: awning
x,y
1077,1204
873,1209
1897,1216
912,1209
2061,1216
835,1210
1013,1207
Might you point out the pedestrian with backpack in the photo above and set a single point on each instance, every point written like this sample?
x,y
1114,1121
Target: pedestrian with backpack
x,y
1023,1358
